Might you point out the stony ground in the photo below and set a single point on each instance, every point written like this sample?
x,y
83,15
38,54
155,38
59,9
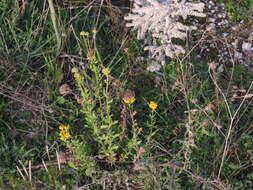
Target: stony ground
x,y
223,40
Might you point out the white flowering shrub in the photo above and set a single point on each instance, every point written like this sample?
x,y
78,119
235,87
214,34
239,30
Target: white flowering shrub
x,y
160,20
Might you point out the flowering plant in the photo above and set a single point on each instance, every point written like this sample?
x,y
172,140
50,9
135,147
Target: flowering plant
x,y
64,132
160,20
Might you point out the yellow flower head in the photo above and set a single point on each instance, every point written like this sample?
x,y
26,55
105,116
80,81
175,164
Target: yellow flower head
x,y
94,31
84,33
152,105
128,96
64,135
74,70
129,100
77,76
64,132
64,127
106,71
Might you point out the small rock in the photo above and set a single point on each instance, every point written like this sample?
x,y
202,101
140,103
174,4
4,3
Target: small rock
x,y
235,27
210,27
246,46
212,20
235,43
238,55
220,23
225,34
250,36
220,16
225,22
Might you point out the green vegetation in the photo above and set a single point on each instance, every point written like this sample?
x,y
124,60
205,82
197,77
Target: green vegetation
x,y
79,111
238,9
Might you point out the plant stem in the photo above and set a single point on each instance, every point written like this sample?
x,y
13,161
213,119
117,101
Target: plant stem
x,y
55,24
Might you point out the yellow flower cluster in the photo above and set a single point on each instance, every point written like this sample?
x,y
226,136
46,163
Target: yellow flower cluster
x,y
152,105
76,73
74,70
64,132
84,33
106,71
78,76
